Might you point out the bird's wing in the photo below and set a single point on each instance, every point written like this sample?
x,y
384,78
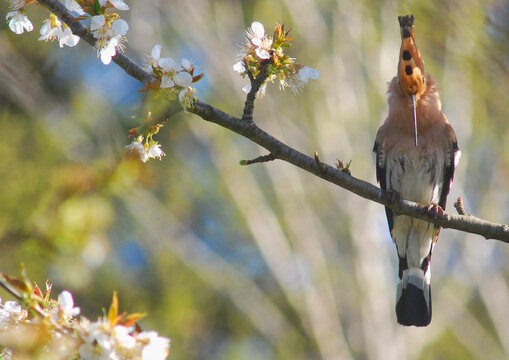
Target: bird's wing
x,y
382,179
453,155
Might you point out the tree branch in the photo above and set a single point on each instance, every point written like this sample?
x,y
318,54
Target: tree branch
x,y
279,150
256,83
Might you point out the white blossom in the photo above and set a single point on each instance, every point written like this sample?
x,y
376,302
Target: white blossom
x,y
167,81
183,79
155,347
169,67
66,304
186,64
120,26
97,23
299,79
66,37
10,314
18,22
102,340
167,64
87,352
186,97
256,33
145,151
123,337
155,151
307,73
99,332
50,30
119,4
137,149
239,67
246,88
107,48
108,40
261,91
262,53
72,5
257,37
152,59
155,54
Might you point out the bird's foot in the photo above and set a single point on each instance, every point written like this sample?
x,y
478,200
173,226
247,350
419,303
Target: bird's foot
x,y
393,195
435,211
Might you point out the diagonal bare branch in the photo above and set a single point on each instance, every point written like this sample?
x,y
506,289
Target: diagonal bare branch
x,y
250,130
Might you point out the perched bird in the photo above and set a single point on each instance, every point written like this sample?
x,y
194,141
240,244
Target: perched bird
x,y
416,154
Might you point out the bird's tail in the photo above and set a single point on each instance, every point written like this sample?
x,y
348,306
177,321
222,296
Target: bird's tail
x,y
413,302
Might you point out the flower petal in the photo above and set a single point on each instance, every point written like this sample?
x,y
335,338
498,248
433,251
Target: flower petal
x,y
120,26
239,67
156,52
167,82
262,54
183,79
258,29
307,73
97,22
247,88
186,64
168,64
119,4
72,5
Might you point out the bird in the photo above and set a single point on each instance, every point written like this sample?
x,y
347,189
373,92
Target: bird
x,y
416,155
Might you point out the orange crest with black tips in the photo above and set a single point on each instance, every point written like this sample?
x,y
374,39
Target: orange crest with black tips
x,y
410,66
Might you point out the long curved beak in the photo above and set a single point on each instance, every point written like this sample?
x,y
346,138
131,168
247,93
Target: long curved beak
x,y
414,117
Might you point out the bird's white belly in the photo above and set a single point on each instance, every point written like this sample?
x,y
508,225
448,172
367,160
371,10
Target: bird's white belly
x,y
419,179
415,184
416,178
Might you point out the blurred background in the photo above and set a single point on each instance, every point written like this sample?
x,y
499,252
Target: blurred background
x,y
265,261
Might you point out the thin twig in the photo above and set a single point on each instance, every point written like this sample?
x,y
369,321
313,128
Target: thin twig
x,y
249,130
259,159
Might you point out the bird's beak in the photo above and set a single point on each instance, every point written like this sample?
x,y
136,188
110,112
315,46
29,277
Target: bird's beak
x,y
414,117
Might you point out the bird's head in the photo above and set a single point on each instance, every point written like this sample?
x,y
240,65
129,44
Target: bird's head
x,y
410,66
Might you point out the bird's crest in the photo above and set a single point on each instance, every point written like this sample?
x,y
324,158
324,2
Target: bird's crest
x,y
410,66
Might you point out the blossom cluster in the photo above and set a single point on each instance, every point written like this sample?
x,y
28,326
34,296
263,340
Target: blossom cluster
x,y
107,27
144,146
10,314
113,336
147,150
176,81
260,49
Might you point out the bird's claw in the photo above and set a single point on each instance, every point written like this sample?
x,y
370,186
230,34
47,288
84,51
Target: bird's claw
x,y
435,211
393,195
